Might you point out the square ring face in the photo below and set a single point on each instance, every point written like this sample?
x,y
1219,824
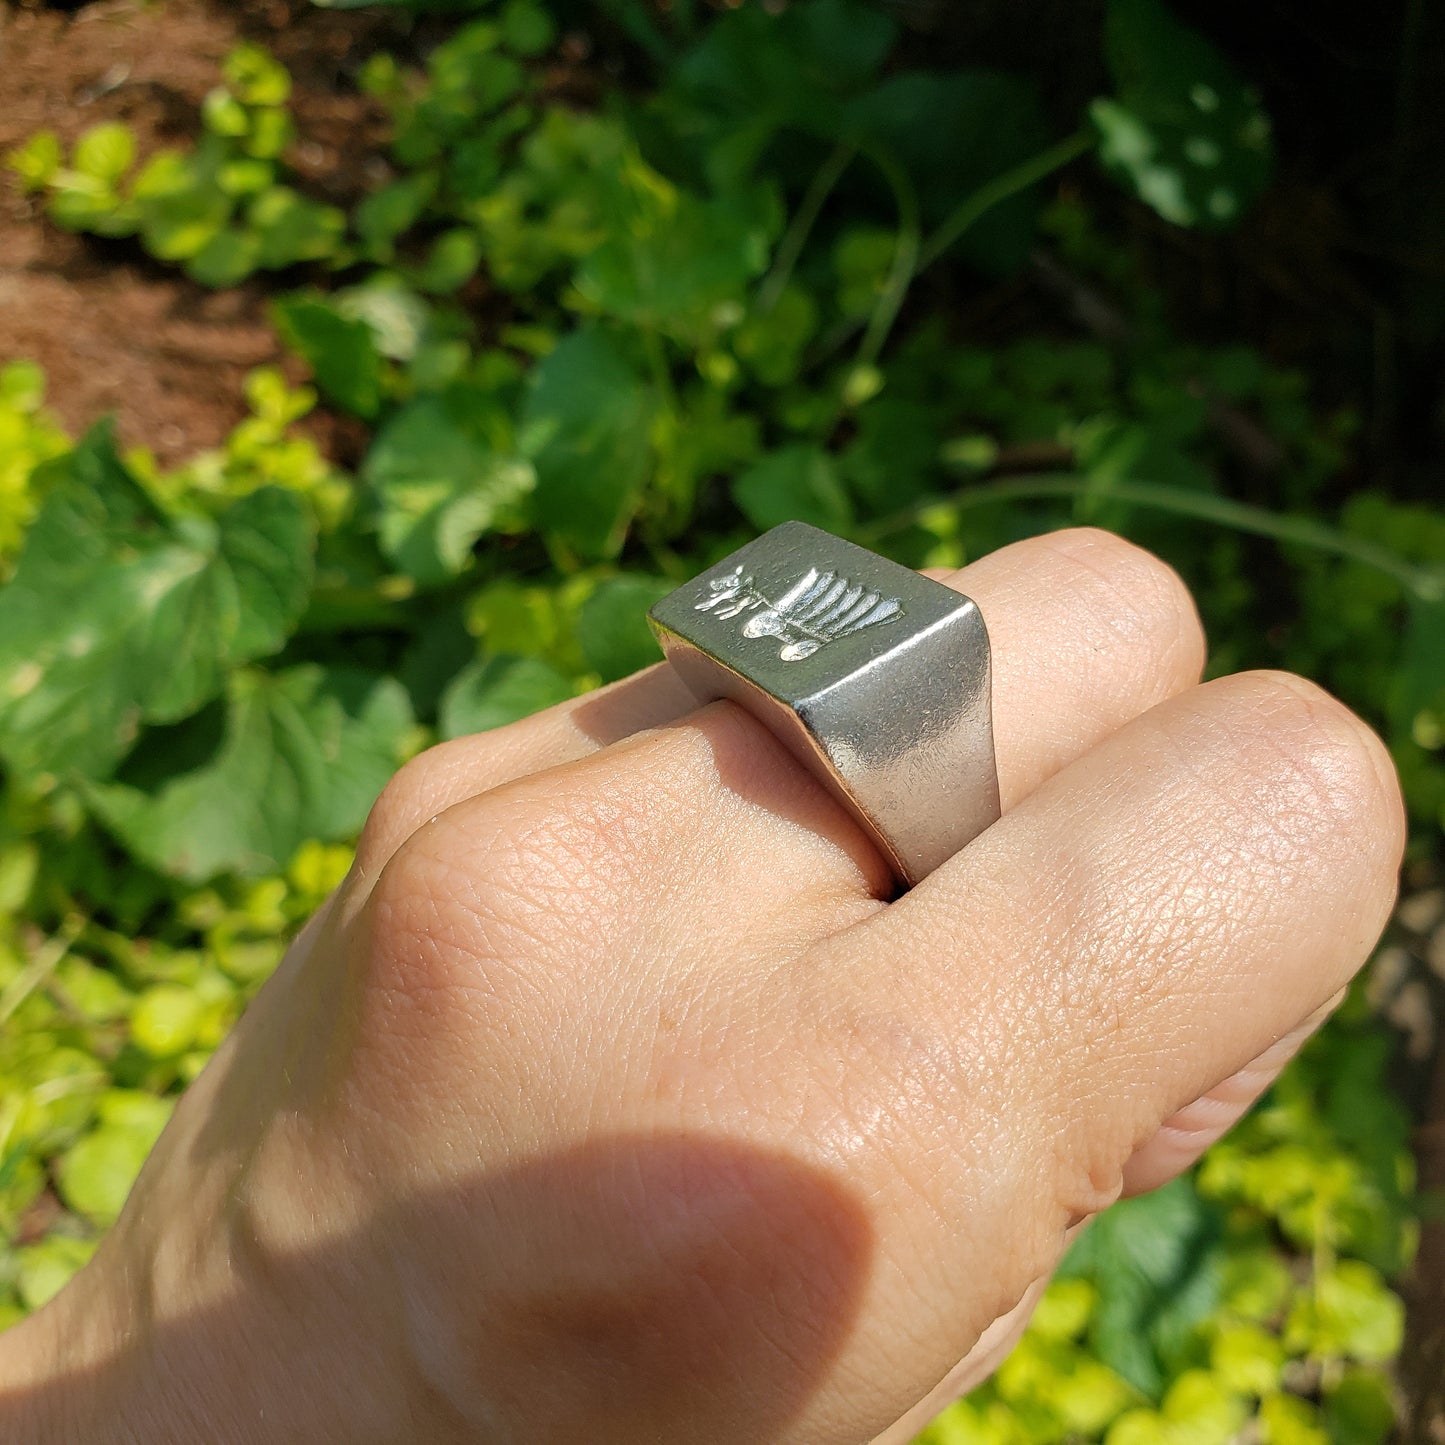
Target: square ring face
x,y
799,611
876,678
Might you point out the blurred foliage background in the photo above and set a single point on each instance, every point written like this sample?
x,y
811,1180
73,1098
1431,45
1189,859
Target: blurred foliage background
x,y
628,283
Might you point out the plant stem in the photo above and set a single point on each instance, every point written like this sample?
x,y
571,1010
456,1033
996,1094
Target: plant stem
x,y
968,211
1001,188
1426,583
790,248
906,262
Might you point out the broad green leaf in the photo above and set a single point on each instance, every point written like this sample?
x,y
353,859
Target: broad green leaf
x,y
671,260
444,471
288,757
118,616
799,483
1288,1420
1184,132
165,1020
96,1174
1154,1261
340,351
1420,682
105,152
592,413
893,458
180,205
497,691
612,626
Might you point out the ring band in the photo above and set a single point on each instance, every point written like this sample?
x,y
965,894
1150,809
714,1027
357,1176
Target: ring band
x,y
875,677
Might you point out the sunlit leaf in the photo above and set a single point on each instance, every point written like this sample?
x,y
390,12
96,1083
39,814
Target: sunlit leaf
x,y
118,616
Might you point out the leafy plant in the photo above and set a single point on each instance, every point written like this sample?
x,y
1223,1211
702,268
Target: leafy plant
x,y
593,350
222,209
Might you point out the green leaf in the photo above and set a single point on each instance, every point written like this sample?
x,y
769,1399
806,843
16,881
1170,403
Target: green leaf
x,y
340,351
673,261
527,29
791,66
118,616
498,691
165,1020
1420,682
593,412
291,756
1154,1261
445,471
37,160
180,205
257,77
105,152
1351,1313
226,259
799,483
223,114
48,1265
386,214
1359,1409
292,228
1185,132
453,258
612,626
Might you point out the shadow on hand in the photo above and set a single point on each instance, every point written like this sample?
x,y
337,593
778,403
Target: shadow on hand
x,y
634,1289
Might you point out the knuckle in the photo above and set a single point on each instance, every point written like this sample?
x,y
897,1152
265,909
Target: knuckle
x,y
1144,603
415,793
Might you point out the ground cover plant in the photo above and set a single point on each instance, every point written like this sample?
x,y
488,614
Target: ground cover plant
x,y
594,324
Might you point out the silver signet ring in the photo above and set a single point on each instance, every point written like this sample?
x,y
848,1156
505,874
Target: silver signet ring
x,y
876,678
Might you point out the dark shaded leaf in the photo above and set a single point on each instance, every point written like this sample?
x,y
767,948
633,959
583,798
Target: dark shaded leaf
x,y
591,414
1185,132
612,627
301,754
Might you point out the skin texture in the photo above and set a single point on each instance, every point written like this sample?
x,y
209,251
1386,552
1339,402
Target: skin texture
x,y
610,1099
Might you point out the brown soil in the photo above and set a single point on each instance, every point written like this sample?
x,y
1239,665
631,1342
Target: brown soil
x,y
115,332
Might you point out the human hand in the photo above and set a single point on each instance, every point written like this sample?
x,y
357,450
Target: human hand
x,y
609,1100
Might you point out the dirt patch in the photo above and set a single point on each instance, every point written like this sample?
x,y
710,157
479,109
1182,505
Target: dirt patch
x,y
115,332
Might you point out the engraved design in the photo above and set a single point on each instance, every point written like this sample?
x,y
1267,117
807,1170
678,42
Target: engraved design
x,y
817,608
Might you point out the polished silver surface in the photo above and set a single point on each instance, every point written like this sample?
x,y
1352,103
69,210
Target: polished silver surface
x,y
876,678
